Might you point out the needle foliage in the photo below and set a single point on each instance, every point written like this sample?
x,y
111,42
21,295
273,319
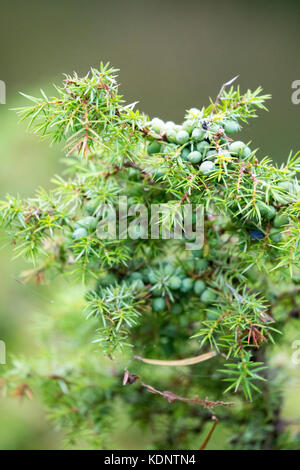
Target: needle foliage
x,y
151,296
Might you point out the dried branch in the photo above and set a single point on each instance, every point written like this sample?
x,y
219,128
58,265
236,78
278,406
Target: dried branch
x,y
130,378
181,362
221,92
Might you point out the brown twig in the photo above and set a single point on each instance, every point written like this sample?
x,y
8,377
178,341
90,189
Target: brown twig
x,y
130,378
22,390
241,172
206,440
181,362
221,92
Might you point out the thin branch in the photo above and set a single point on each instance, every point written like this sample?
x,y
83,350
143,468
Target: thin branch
x,y
181,362
210,433
221,92
130,378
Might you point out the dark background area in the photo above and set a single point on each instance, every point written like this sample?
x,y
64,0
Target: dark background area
x,y
173,55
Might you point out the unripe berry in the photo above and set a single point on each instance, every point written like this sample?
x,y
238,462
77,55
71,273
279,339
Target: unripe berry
x,y
152,277
203,147
188,125
275,235
157,292
174,282
271,213
172,136
194,157
136,276
169,125
158,304
79,233
211,155
280,220
91,207
199,287
169,269
236,148
153,147
266,211
246,152
187,284
208,296
138,283
198,134
231,127
184,153
157,125
182,137
207,167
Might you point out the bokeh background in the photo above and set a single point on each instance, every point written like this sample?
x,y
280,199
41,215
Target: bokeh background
x,y
172,55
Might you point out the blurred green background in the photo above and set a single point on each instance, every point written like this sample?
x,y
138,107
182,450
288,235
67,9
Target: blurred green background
x,y
172,55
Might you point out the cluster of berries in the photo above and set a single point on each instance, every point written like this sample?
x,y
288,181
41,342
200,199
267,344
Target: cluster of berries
x,y
201,141
170,285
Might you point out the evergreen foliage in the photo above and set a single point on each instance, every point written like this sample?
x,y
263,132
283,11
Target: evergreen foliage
x,y
152,297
